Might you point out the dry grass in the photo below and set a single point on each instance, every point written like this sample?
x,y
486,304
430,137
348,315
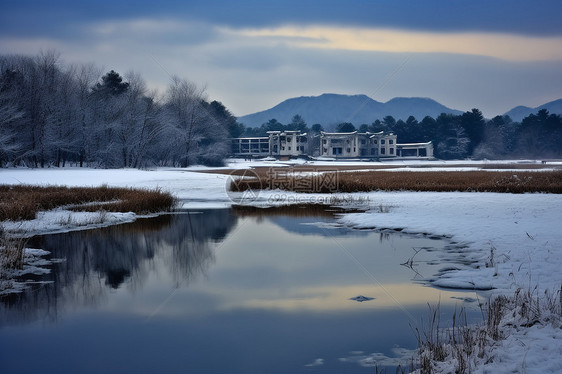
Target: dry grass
x,y
439,181
23,202
466,344
263,170
11,252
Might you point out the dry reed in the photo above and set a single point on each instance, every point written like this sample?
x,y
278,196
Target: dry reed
x,y
23,202
466,344
438,181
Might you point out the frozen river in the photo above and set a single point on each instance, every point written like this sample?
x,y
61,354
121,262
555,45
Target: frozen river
x,y
215,291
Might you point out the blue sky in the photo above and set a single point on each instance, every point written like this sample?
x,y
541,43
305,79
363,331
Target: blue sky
x,y
251,55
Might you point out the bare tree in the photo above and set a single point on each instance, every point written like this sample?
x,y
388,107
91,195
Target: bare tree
x,y
9,114
85,76
53,114
186,118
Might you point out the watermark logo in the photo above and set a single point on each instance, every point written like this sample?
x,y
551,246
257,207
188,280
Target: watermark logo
x,y
309,181
243,186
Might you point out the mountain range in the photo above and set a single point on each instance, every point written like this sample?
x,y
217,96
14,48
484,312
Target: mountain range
x,y
520,112
331,109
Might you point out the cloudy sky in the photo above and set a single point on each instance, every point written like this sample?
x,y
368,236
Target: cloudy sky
x,y
251,55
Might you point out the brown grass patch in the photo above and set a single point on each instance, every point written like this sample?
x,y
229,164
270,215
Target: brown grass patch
x,y
439,181
263,170
23,202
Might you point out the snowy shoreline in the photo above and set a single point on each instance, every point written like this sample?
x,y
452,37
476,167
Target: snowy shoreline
x,y
502,242
508,240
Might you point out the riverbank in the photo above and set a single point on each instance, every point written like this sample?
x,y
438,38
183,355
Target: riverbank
x,y
499,242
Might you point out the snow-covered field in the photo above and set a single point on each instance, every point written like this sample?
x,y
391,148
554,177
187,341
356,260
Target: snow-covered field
x,y
505,241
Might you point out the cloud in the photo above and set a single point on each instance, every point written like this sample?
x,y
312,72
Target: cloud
x,y
254,65
317,362
325,299
168,32
539,18
502,46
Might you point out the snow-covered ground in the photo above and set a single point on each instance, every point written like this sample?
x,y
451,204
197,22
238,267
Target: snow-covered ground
x,y
499,241
517,235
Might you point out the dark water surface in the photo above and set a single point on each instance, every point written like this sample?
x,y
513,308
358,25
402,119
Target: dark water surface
x,y
219,291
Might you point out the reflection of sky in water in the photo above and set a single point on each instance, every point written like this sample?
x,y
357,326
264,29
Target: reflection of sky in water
x,y
269,297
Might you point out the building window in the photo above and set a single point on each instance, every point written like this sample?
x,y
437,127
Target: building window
x,y
324,141
391,150
282,148
375,141
383,151
382,141
391,141
337,151
289,148
363,141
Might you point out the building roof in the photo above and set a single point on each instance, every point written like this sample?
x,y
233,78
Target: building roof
x,y
413,144
371,134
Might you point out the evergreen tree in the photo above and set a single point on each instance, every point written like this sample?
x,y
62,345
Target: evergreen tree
x,y
345,127
111,84
222,115
473,124
317,128
389,122
273,125
297,123
364,128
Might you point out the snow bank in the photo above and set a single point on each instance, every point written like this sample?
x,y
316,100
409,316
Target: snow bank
x,y
501,241
535,349
61,220
516,236
182,183
34,263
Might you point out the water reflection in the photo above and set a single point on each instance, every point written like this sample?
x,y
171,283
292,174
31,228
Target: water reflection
x,y
297,218
216,291
98,261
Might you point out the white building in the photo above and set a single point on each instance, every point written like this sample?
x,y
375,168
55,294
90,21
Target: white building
x,y
415,150
287,143
334,145
276,144
250,147
357,144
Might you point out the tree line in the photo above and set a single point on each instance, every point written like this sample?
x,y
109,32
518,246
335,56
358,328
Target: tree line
x,y
56,114
457,136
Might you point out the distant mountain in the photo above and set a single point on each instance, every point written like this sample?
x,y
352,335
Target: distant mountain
x,y
331,109
520,112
